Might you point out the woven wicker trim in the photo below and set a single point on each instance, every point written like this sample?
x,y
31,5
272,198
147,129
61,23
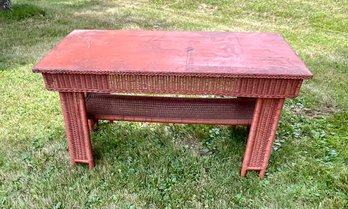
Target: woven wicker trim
x,y
140,73
247,87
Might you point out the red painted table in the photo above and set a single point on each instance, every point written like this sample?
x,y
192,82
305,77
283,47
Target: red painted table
x,y
254,71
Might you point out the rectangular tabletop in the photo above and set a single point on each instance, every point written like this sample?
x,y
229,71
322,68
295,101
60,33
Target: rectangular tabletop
x,y
227,54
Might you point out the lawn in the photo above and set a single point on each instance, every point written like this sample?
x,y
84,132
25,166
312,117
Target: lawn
x,y
143,165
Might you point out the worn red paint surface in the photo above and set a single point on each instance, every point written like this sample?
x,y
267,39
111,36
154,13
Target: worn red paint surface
x,y
223,53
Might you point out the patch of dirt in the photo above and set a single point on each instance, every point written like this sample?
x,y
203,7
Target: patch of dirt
x,y
195,146
316,113
207,9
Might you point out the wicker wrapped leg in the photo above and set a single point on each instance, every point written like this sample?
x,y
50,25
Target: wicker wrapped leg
x,y
77,130
261,135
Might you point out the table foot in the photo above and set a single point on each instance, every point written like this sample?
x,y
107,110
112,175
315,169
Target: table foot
x,y
261,136
77,127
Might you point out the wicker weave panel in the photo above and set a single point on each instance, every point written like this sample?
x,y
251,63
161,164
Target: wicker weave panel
x,y
171,84
76,124
265,123
262,133
170,109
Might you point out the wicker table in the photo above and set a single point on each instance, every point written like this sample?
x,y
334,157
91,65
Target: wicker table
x,y
254,71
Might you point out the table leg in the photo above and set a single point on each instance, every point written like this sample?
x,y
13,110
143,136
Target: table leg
x,y
261,136
76,125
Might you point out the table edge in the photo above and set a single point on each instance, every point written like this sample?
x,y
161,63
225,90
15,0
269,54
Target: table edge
x,y
222,75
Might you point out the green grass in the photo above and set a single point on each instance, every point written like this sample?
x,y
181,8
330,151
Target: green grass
x,y
22,11
141,165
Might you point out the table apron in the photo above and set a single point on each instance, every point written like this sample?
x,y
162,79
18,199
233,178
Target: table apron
x,y
170,84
